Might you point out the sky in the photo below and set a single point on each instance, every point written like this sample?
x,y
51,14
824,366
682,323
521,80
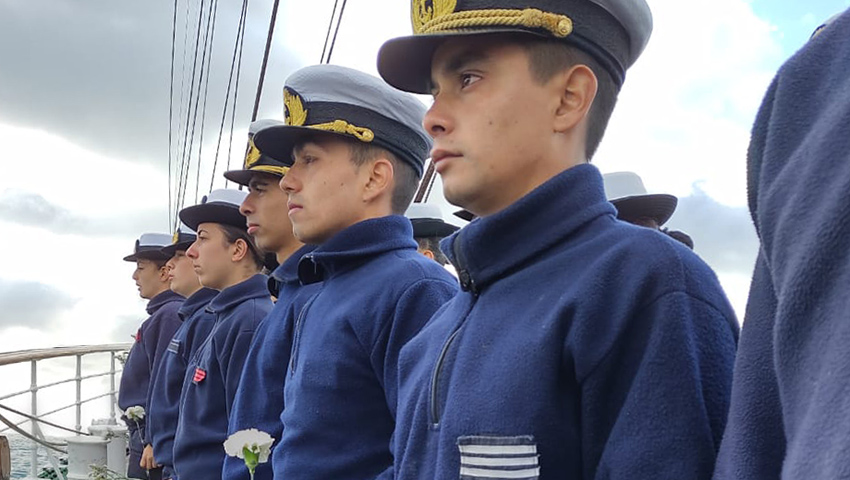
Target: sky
x,y
84,132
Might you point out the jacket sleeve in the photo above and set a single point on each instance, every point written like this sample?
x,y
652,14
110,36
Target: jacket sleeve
x,y
233,362
655,406
414,308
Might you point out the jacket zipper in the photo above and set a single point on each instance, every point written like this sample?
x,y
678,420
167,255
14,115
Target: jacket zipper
x,y
296,341
468,285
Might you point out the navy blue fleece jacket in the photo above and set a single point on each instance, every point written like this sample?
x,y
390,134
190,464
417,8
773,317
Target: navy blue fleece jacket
x,y
144,358
790,412
164,398
582,347
259,398
213,375
340,393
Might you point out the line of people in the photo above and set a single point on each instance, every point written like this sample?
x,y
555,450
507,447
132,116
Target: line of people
x,y
570,345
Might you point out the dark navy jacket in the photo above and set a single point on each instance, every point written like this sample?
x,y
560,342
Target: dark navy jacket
x,y
790,412
212,377
259,398
582,347
144,358
164,396
340,394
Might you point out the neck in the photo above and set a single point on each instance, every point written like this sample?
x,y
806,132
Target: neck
x,y
189,292
238,274
285,252
161,289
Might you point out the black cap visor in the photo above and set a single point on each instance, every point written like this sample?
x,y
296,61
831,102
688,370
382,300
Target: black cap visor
x,y
659,207
212,213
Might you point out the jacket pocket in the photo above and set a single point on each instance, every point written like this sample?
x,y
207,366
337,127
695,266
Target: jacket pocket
x,y
496,457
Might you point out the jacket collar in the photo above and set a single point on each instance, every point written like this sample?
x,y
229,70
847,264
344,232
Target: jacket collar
x,y
355,244
161,299
195,302
491,247
287,272
254,287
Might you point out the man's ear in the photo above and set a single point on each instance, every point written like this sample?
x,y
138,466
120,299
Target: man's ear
x,y
163,273
428,253
380,180
578,87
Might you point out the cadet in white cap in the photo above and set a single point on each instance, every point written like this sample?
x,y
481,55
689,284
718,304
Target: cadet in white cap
x,y
226,259
356,150
581,347
428,229
152,338
196,324
266,366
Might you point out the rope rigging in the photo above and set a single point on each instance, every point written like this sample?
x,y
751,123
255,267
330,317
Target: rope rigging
x,y
185,151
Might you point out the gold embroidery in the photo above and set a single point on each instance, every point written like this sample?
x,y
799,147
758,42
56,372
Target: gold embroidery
x,y
421,14
559,25
270,169
341,126
294,110
253,154
176,237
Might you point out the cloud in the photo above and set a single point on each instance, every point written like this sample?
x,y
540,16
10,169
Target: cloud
x,y
723,236
31,304
31,209
98,71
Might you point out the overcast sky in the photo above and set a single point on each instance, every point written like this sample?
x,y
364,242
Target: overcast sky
x,y
84,109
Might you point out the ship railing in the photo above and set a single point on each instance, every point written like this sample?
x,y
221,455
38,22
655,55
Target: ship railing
x,y
33,357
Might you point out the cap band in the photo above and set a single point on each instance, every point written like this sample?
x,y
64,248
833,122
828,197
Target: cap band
x,y
296,116
442,20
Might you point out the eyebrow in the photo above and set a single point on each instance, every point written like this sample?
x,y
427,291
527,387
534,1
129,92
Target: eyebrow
x,y
460,61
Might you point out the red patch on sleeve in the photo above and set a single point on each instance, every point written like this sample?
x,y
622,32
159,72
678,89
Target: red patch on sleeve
x,y
200,375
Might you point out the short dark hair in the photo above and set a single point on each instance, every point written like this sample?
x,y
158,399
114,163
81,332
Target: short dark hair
x,y
232,234
406,180
159,263
548,57
433,244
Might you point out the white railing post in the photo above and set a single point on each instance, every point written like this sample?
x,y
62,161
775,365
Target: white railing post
x,y
34,412
113,400
79,426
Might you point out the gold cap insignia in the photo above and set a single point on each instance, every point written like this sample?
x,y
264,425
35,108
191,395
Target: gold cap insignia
x,y
294,112
421,14
253,154
176,237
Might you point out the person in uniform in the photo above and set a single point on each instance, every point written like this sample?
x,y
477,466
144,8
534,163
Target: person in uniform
x,y
226,259
626,192
152,339
164,398
790,411
428,229
356,149
265,367
580,347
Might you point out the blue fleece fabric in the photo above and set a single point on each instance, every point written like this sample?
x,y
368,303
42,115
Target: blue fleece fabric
x,y
340,391
164,397
790,412
212,377
265,367
582,347
151,341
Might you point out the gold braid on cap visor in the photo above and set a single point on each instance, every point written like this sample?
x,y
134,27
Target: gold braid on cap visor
x,y
296,115
253,156
442,18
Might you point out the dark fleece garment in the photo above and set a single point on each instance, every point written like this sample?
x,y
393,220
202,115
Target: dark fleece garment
x,y
582,348
790,411
259,397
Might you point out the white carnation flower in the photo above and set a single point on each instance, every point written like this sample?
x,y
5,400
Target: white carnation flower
x,y
135,413
255,442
